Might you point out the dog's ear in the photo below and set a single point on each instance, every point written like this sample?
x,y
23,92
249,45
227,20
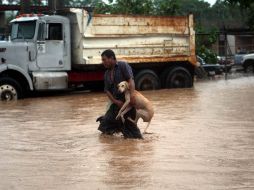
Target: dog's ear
x,y
127,85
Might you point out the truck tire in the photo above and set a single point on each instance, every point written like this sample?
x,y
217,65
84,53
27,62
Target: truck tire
x,y
179,77
10,89
249,67
147,80
200,72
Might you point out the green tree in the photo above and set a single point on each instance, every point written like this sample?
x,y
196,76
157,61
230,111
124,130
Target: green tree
x,y
248,6
205,38
141,7
169,7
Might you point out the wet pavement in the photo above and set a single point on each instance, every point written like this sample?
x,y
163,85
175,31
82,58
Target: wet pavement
x,y
203,138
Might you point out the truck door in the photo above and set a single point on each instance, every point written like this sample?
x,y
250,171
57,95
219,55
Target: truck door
x,y
50,52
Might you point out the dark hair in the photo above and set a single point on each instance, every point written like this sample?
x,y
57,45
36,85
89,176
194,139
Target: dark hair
x,y
109,53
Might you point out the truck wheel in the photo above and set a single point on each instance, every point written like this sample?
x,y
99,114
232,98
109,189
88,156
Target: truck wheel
x,y
10,89
147,80
179,77
200,72
249,68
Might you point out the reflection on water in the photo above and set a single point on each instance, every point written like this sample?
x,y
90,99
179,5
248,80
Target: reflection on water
x,y
203,138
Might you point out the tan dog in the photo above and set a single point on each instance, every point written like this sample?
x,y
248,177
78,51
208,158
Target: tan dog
x,y
143,105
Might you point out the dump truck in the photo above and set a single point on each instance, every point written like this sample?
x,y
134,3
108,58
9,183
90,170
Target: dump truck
x,y
63,51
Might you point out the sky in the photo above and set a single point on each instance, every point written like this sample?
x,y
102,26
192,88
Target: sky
x,y
211,1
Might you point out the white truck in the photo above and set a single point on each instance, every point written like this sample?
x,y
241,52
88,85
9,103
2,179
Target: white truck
x,y
247,62
57,52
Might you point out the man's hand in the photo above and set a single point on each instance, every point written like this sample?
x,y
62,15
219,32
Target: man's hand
x,y
113,100
118,103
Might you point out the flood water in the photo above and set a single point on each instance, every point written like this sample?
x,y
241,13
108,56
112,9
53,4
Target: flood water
x,y
203,138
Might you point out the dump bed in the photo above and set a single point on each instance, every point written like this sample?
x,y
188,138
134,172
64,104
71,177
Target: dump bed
x,y
136,39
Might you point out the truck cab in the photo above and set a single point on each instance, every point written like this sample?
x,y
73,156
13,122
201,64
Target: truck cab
x,y
248,63
36,57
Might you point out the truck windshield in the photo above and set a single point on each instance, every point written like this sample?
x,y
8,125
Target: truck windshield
x,y
23,30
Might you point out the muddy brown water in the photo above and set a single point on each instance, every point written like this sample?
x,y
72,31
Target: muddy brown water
x,y
203,138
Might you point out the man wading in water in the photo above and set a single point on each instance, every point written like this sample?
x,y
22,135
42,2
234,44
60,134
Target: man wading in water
x,y
117,71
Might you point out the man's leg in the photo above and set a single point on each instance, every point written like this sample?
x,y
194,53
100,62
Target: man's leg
x,y
108,124
130,129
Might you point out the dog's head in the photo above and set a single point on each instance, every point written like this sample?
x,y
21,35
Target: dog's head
x,y
123,86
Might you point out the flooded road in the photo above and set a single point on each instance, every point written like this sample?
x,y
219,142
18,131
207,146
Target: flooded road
x,y
203,138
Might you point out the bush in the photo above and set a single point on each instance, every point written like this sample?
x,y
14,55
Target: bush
x,y
206,54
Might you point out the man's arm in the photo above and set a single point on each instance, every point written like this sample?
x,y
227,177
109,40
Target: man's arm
x,y
131,85
132,88
115,101
110,96
128,75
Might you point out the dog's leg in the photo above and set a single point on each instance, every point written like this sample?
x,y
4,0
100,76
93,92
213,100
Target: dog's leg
x,y
135,121
146,118
131,120
124,112
125,105
147,128
123,108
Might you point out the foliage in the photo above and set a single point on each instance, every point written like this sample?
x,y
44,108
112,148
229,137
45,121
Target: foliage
x,y
244,4
131,7
247,6
204,43
169,7
207,54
